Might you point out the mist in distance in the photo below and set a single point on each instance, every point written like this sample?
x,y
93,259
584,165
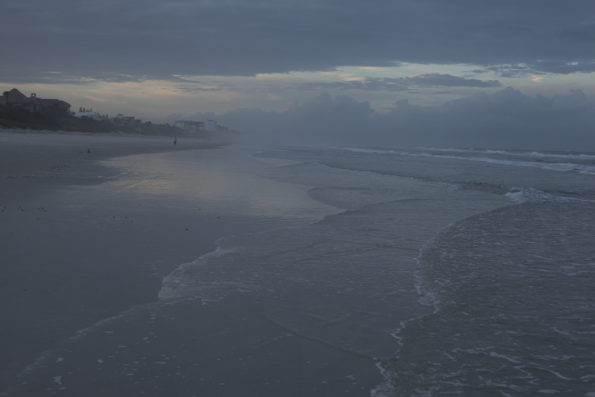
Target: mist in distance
x,y
504,119
458,73
313,257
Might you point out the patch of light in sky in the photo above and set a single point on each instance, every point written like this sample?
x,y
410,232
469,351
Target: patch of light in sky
x,y
415,69
152,99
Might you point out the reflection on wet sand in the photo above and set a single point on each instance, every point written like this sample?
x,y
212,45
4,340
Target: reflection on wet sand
x,y
219,181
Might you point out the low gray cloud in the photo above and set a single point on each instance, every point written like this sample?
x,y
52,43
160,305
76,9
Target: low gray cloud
x,y
432,80
160,38
542,67
195,89
447,80
26,76
507,118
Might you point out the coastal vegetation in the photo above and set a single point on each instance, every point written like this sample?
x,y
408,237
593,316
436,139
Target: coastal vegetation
x,y
31,112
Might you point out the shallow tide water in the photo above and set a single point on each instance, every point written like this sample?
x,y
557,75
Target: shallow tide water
x,y
378,272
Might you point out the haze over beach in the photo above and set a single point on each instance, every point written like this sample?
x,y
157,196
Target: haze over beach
x,y
297,198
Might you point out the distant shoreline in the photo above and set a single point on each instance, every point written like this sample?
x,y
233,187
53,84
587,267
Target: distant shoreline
x,y
72,260
33,112
31,160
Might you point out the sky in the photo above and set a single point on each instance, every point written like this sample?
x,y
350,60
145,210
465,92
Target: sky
x,y
460,72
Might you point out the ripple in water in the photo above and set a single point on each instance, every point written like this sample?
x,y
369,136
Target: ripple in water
x,y
515,307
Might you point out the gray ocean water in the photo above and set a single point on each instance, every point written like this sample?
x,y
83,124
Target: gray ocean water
x,y
510,287
435,272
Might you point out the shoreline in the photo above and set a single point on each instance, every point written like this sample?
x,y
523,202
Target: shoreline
x,y
72,258
132,276
324,308
72,158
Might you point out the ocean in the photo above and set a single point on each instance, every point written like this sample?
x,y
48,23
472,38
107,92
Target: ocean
x,y
378,272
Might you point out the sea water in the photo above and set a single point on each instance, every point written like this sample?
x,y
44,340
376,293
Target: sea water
x,y
511,288
427,271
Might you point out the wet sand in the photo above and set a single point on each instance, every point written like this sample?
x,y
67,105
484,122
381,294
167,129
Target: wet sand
x,y
87,247
31,161
71,259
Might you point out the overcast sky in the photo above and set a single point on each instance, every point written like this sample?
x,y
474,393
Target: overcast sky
x,y
313,65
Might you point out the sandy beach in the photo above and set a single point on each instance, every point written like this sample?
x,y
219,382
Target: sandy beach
x,y
246,270
30,159
72,255
90,227
297,199
116,281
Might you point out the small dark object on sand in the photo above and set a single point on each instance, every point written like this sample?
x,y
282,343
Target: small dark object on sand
x,y
88,151
175,140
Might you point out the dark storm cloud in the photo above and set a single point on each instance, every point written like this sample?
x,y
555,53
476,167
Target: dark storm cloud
x,y
506,118
225,37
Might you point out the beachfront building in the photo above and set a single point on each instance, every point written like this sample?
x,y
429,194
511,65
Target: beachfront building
x,y
212,125
197,129
15,97
190,126
17,100
124,121
89,113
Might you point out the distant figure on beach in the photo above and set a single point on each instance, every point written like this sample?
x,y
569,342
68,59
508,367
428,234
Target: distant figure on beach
x,y
88,151
175,140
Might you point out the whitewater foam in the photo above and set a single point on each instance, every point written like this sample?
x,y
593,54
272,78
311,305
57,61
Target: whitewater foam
x,y
552,166
178,284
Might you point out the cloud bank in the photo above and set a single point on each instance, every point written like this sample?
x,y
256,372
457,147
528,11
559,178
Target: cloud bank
x,y
505,119
430,80
113,39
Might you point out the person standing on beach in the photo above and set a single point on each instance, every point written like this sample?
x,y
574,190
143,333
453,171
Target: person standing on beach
x,y
175,140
